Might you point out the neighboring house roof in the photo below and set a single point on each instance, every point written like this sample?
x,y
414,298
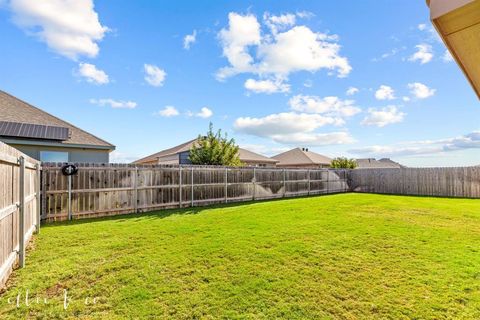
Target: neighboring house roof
x,y
167,152
13,109
393,163
243,154
249,156
301,156
377,164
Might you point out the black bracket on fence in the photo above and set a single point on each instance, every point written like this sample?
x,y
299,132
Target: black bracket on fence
x,y
69,169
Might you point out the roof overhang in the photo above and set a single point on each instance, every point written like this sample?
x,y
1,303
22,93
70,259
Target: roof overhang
x,y
32,142
458,24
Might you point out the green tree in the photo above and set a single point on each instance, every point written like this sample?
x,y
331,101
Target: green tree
x,y
215,149
343,163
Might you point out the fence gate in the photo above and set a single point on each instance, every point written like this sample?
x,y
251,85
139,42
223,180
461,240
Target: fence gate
x,y
19,207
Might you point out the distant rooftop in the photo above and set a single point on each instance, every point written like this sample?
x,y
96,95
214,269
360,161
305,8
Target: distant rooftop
x,y
301,156
372,163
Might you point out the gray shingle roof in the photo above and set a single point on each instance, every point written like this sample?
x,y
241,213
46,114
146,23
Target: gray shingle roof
x,y
373,163
13,109
299,156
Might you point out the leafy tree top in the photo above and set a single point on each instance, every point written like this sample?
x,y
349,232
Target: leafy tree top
x,y
344,163
215,149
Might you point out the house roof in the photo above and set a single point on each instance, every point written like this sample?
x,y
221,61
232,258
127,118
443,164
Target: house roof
x,y
13,109
244,155
249,156
167,152
458,24
377,164
302,156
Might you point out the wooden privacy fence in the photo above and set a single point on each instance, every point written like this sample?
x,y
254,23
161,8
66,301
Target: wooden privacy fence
x,y
101,190
19,207
441,182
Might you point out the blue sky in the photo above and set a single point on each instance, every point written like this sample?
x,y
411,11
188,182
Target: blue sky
x,y
148,75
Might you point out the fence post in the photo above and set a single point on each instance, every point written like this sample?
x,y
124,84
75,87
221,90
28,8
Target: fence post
x,y
135,190
37,196
284,183
43,188
254,183
192,187
180,186
308,179
226,185
21,210
69,203
328,179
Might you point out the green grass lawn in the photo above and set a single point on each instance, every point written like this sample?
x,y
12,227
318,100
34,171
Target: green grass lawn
x,y
347,256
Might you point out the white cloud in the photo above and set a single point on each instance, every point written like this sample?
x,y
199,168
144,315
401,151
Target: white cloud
x,y
298,127
292,129
315,139
305,14
308,83
266,86
406,99
385,93
154,75
279,23
352,91
422,26
266,150
69,27
301,49
120,157
189,39
282,123
468,141
393,52
447,56
382,117
280,52
115,104
424,54
92,74
242,32
168,111
420,91
204,113
429,30
331,106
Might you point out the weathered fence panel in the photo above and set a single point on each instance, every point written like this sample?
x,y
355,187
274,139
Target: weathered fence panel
x,y
16,171
110,189
440,182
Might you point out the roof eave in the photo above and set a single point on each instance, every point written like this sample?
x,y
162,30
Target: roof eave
x,y
55,144
457,22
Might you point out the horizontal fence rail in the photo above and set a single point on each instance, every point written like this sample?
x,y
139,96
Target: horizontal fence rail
x,y
19,207
461,182
110,189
